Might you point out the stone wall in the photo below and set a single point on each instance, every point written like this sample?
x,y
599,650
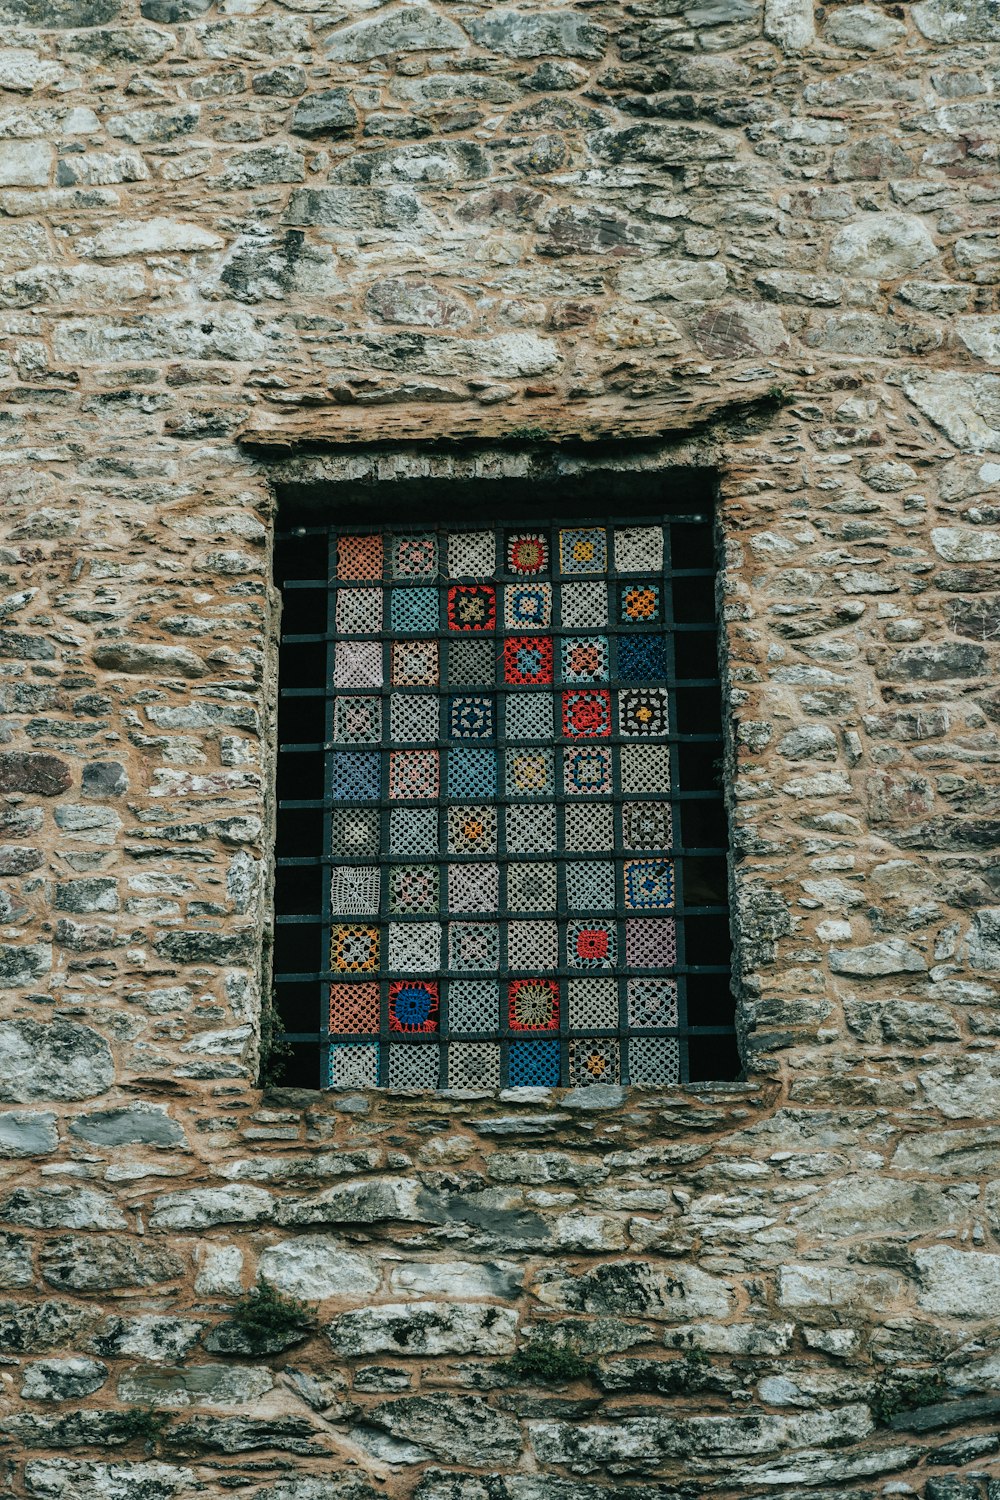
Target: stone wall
x,y
250,246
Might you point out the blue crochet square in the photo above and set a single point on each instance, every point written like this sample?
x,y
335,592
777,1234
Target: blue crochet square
x,y
355,775
414,609
533,1064
471,717
642,657
472,773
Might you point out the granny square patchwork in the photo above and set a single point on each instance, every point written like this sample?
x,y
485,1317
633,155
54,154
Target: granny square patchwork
x,y
584,658
527,553
414,556
586,714
527,659
413,1005
472,608
583,550
500,883
359,611
471,717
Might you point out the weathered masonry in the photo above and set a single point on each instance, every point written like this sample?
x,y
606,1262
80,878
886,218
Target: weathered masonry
x,y
269,266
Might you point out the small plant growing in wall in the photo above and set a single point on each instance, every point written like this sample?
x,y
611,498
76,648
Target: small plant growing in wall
x,y
895,1394
267,1320
543,1361
141,1424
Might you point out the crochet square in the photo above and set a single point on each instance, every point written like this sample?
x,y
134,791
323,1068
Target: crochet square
x,y
354,1065
533,1065
353,948
530,830
353,831
472,773
643,711
532,945
472,830
413,889
639,549
472,608
474,1065
473,946
474,887
414,664
533,1005
471,554
413,1067
528,716
531,886
650,943
587,771
527,553
653,1061
354,1007
413,717
640,603
593,1060
584,605
586,714
642,657
647,825
413,610
413,774
413,830
355,775
471,717
590,885
591,945
354,890
588,827
414,947
527,660
357,664
414,556
651,1002
413,1005
359,557
645,768
649,884
527,606
470,663
357,720
358,611
584,658
592,1003
473,1005
529,773
583,549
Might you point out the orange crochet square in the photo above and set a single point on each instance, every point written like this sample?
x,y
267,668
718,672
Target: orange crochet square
x,y
354,1007
359,557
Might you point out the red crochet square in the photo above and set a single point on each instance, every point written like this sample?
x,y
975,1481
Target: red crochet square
x,y
592,943
586,714
527,659
472,607
533,1004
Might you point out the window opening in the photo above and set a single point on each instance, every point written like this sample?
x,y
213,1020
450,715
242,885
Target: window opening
x,y
501,835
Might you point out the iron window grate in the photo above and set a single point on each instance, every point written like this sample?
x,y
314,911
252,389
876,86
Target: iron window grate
x,y
438,959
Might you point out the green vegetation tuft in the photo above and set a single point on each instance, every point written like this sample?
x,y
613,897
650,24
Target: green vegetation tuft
x,y
544,1362
141,1424
266,1315
895,1394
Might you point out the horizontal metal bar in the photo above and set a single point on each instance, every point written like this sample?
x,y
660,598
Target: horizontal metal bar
x,y
410,1039
621,971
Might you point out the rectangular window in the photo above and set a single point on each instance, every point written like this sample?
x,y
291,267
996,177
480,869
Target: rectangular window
x,y
501,834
